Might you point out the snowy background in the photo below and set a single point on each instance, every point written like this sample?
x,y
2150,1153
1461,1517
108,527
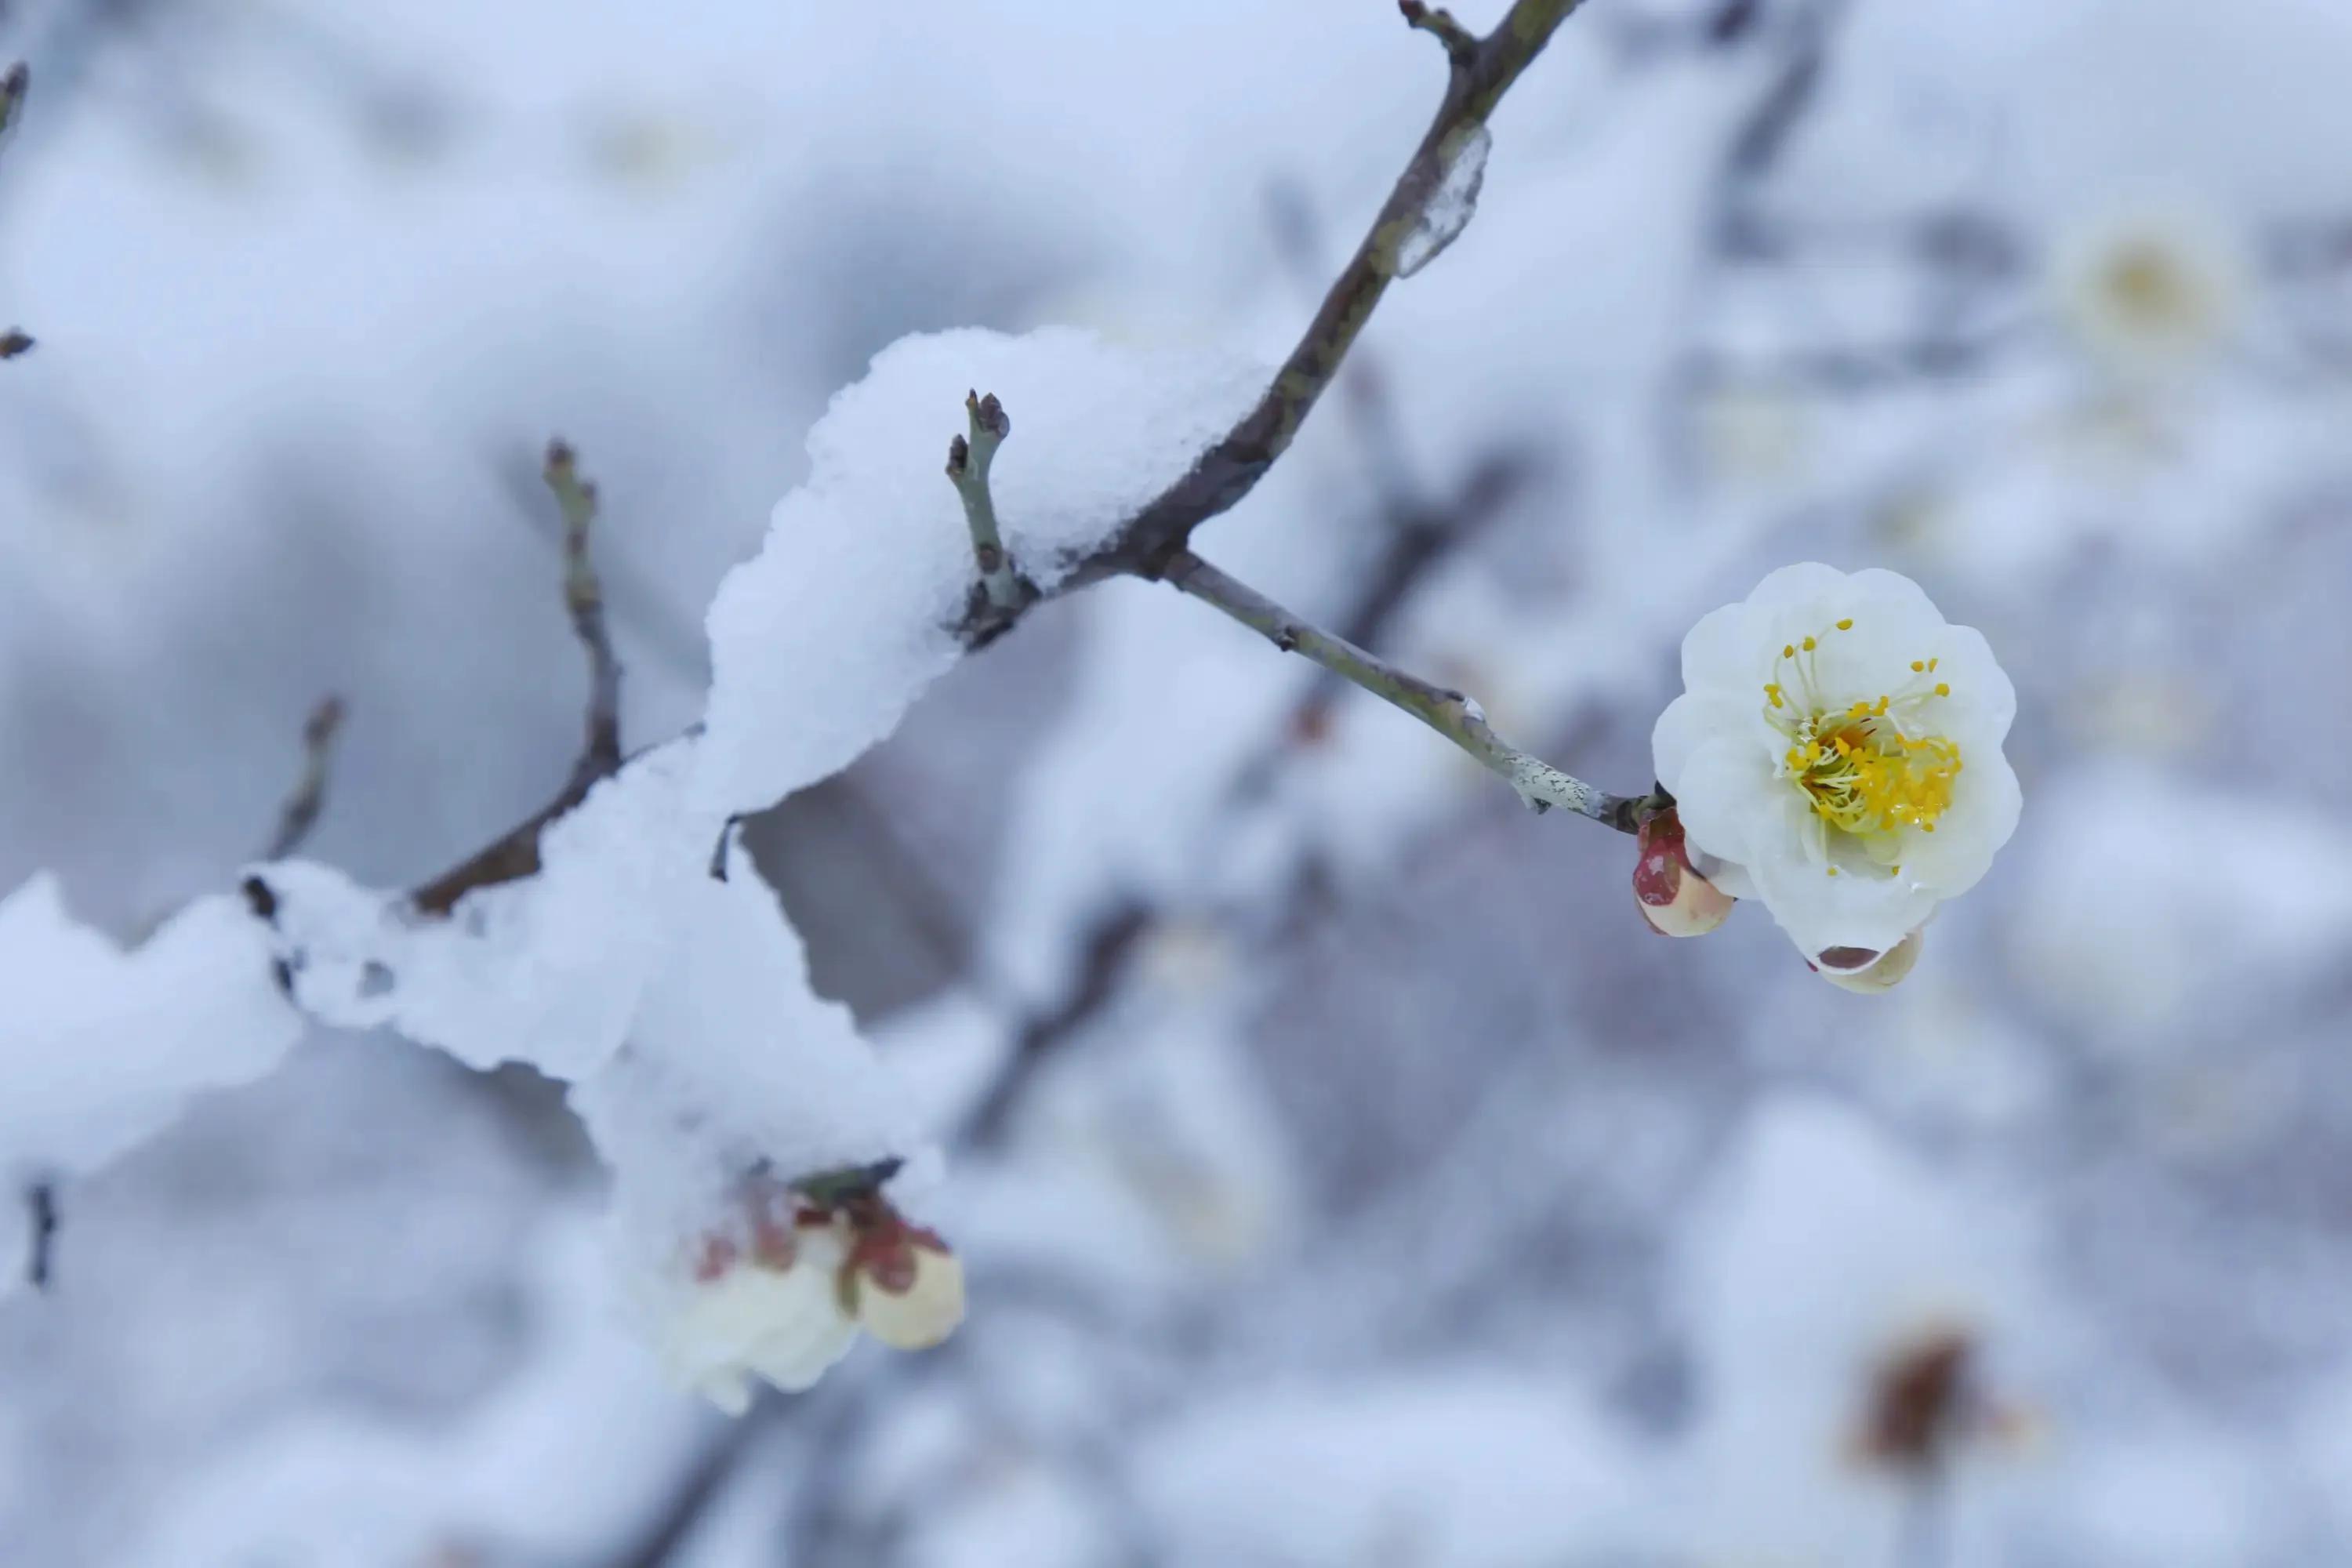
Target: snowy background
x,y
1344,1175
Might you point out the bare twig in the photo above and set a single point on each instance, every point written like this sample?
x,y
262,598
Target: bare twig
x,y
583,596
968,459
41,1214
514,855
1450,713
301,812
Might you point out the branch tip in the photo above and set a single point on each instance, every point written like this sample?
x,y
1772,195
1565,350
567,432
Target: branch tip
x,y
970,457
1461,44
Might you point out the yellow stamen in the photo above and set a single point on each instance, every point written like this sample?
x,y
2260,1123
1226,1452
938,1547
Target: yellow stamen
x,y
1809,645
1788,650
1918,665
1845,626
1943,689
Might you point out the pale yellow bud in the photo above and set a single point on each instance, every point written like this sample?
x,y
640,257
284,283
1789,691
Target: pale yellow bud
x,y
922,1314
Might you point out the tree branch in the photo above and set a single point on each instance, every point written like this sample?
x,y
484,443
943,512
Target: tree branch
x,y
1146,543
1229,470
1452,714
968,459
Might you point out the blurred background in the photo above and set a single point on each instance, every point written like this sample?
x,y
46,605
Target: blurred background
x,y
1345,1174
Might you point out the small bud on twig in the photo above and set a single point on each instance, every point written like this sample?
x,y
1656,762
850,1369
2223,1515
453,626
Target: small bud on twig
x,y
1672,895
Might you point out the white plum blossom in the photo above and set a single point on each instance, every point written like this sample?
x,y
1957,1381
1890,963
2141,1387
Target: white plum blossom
x,y
780,1291
1836,752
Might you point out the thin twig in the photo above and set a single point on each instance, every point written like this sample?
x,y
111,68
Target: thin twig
x,y
969,460
583,596
301,812
514,854
1450,713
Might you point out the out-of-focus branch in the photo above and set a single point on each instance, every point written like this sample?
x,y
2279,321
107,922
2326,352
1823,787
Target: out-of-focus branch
x,y
1450,713
1110,944
13,85
515,854
41,1219
968,459
301,812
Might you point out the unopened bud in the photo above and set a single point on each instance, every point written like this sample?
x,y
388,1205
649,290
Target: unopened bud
x,y
1674,898
908,1293
1859,970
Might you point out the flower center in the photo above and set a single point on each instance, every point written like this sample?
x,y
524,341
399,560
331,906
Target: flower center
x,y
1864,775
1872,770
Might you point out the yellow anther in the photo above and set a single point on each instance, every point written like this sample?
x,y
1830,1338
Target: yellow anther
x,y
1773,691
1789,650
1943,689
1932,663
1846,625
1883,701
1809,645
1918,665
1832,870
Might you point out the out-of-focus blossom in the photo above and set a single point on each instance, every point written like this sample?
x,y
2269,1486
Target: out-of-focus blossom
x,y
779,1292
1836,752
2151,288
776,1314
